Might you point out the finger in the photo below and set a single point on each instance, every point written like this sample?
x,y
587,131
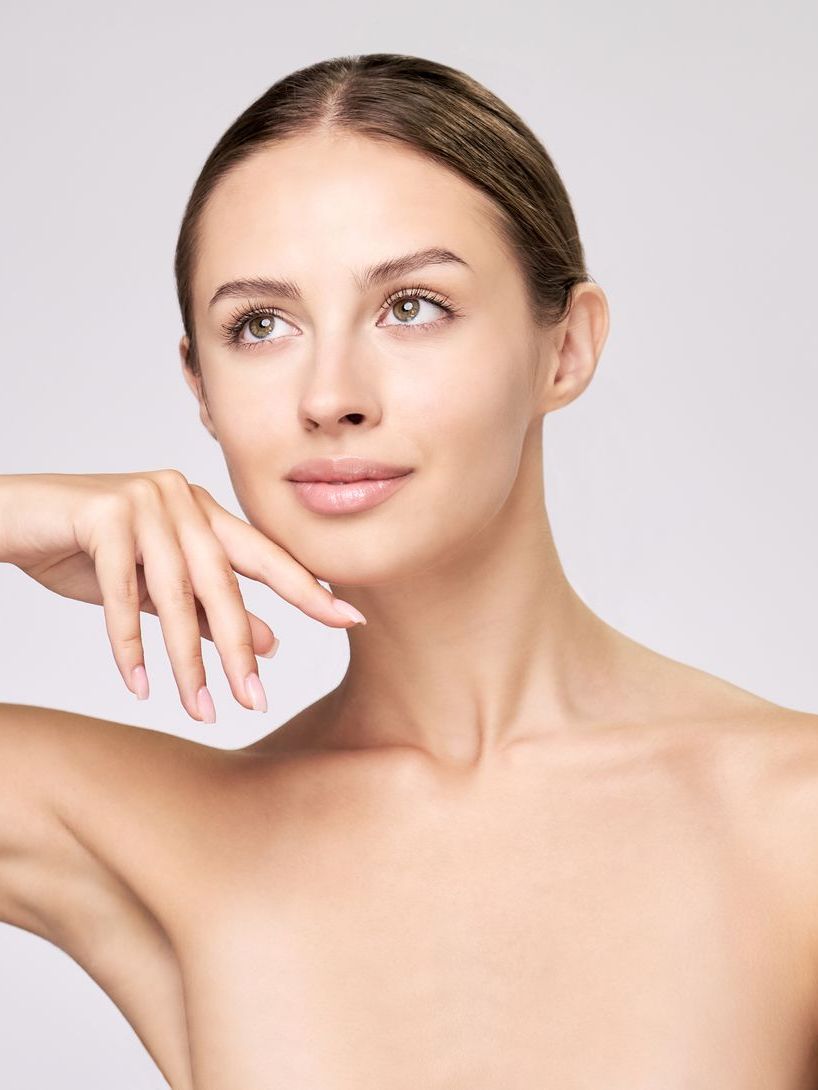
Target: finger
x,y
265,642
115,566
215,585
253,554
218,596
171,591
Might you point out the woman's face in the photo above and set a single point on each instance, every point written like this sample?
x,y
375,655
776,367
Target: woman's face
x,y
339,366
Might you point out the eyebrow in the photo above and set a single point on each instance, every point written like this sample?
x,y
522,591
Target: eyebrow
x,y
371,275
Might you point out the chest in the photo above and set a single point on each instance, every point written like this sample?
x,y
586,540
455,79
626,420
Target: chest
x,y
581,941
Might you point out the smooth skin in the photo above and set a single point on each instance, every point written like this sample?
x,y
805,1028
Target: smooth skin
x,y
513,848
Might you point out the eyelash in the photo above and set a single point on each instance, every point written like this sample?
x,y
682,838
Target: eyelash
x,y
232,328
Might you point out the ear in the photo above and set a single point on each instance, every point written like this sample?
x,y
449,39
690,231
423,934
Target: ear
x,y
573,348
196,384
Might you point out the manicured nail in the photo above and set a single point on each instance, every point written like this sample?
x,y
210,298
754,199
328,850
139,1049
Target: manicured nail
x,y
269,654
139,680
348,611
204,704
255,691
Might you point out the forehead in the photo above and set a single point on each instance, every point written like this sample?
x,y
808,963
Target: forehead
x,y
328,201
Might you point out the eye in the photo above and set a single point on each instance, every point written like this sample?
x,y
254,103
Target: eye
x,y
258,323
406,304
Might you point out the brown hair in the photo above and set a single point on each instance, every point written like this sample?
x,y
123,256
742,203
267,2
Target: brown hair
x,y
440,112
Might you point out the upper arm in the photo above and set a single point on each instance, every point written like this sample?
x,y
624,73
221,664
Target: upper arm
x,y
35,848
55,886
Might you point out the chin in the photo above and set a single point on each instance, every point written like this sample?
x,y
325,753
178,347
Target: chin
x,y
373,560
379,548
361,571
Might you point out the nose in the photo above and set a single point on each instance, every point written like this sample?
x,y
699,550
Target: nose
x,y
340,393
329,416
326,423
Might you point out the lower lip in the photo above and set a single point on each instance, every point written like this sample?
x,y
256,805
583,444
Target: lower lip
x,y
340,498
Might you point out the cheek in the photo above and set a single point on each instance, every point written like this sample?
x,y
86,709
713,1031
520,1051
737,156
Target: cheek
x,y
255,444
466,411
473,426
484,458
250,417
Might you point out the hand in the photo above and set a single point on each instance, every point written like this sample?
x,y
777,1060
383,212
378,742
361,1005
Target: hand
x,y
153,542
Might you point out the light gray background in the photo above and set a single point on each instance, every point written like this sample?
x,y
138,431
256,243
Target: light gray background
x,y
681,485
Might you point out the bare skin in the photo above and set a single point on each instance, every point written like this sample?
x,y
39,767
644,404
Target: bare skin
x,y
633,904
514,848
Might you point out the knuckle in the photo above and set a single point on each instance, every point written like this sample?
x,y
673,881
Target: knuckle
x,y
126,588
225,577
142,489
110,506
196,661
170,478
268,568
200,492
180,593
245,648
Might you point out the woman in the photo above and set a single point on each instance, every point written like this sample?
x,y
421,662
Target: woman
x,y
514,847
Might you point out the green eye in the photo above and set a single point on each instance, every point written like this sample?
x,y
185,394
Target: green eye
x,y
260,321
263,323
406,304
406,308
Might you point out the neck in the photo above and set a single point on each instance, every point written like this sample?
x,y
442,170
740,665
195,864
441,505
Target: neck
x,y
486,650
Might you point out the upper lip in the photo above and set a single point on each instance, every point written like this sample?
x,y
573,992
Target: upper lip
x,y
344,469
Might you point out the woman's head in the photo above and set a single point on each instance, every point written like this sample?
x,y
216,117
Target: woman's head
x,y
337,168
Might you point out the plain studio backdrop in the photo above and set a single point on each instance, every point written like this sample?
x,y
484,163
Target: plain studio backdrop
x,y
681,485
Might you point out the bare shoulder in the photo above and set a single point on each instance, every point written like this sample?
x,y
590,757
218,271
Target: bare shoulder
x,y
769,751
715,727
747,752
760,766
780,757
124,795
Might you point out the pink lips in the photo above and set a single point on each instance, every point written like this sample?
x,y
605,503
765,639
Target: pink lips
x,y
326,498
336,486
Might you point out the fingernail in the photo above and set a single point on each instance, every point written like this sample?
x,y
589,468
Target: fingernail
x,y
204,704
255,691
269,654
348,611
139,680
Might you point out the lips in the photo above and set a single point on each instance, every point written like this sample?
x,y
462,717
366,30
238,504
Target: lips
x,y
347,497
345,470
